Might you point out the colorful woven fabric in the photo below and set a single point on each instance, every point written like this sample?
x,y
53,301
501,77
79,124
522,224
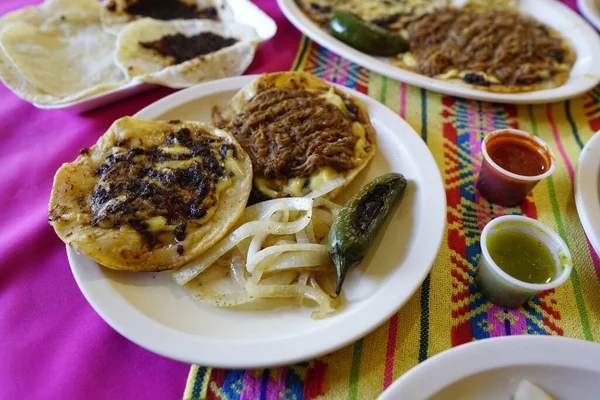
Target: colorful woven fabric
x,y
448,310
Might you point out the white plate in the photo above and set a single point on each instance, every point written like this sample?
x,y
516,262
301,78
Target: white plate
x,y
152,311
584,76
591,10
244,12
491,369
587,197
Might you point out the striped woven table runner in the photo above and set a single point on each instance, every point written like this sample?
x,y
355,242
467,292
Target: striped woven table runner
x,y
448,310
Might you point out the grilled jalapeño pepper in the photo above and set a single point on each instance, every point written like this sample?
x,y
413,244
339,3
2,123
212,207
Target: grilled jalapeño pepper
x,y
357,223
365,36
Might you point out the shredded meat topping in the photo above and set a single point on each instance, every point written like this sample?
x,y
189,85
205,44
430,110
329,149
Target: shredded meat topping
x,y
131,188
515,49
292,132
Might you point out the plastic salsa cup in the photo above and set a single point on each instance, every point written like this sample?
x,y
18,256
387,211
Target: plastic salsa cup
x,y
503,289
525,160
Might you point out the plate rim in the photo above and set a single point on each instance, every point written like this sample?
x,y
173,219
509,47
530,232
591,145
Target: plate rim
x,y
590,11
302,22
587,199
104,298
439,371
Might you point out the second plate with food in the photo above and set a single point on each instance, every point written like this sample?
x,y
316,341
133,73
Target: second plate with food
x,y
583,77
154,312
587,190
591,10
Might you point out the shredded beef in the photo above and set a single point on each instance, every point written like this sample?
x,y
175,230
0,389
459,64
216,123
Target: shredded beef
x,y
292,132
512,47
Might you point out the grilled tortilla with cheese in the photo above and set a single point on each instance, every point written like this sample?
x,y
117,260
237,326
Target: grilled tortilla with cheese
x,y
151,195
300,133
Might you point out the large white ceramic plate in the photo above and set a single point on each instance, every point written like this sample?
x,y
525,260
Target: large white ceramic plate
x,y
244,12
152,311
591,10
491,369
584,76
587,193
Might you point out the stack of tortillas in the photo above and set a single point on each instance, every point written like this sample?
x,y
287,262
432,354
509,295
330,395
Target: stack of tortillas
x,y
63,51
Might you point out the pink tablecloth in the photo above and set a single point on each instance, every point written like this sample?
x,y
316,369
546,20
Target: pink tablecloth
x,y
52,344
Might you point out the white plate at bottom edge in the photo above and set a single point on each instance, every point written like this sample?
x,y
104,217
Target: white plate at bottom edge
x,y
152,311
491,369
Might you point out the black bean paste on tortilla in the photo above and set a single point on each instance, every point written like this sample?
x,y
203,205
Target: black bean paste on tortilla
x,y
168,9
183,48
131,188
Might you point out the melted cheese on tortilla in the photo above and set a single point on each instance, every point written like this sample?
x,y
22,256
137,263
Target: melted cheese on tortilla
x,y
175,149
158,224
332,97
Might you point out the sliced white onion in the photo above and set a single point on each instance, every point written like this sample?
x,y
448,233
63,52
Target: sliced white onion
x,y
326,187
298,259
238,270
283,278
324,216
326,304
301,237
269,251
277,255
310,232
255,246
191,270
261,210
220,287
322,202
243,246
303,278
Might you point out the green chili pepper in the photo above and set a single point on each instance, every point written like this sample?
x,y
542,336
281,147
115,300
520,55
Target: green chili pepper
x,y
357,223
365,36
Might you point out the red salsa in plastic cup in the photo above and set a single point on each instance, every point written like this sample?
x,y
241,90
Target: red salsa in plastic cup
x,y
513,163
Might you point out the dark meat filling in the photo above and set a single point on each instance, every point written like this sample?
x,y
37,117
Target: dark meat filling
x,y
183,48
168,9
291,133
131,190
509,46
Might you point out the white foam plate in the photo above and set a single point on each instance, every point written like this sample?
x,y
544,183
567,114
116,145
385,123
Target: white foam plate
x,y
584,75
244,12
591,10
491,369
152,311
587,190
